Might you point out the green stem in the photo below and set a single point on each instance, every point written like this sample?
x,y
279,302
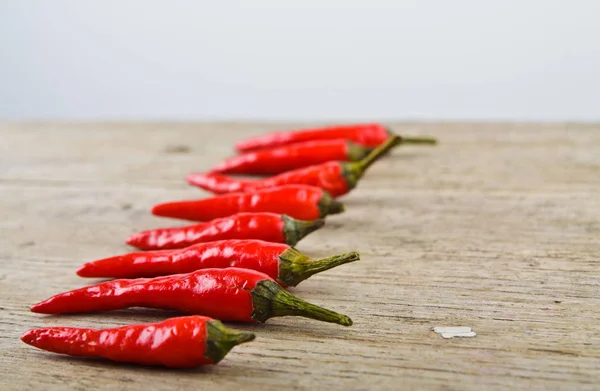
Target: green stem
x,y
377,153
294,230
322,264
417,140
328,205
336,207
270,300
295,267
356,151
352,172
220,340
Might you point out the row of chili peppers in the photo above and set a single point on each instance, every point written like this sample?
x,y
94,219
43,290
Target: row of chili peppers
x,y
235,263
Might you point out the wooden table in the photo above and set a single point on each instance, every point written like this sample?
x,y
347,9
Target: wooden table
x,y
497,228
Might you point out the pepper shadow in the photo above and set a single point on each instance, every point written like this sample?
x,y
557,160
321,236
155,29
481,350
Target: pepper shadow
x,y
134,313
131,369
302,329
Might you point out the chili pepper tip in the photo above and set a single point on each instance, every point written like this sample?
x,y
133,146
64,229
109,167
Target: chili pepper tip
x,y
87,270
28,336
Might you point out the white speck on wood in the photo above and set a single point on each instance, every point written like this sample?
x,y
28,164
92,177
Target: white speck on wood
x,y
451,332
452,335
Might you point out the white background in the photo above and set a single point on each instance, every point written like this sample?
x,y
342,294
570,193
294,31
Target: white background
x,y
304,60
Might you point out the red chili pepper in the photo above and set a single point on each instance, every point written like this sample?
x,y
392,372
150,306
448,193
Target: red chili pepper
x,y
297,201
269,227
337,178
230,294
183,342
368,135
291,157
281,262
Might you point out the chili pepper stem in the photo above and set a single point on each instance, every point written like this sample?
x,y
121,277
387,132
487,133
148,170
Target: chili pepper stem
x,y
295,267
328,205
270,300
352,172
356,151
412,140
294,230
417,140
336,207
220,340
361,166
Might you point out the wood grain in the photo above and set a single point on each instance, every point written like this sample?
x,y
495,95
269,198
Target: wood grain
x,y
497,228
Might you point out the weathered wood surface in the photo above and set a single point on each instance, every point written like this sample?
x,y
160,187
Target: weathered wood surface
x,y
497,228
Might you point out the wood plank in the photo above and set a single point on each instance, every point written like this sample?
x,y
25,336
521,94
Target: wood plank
x,y
497,228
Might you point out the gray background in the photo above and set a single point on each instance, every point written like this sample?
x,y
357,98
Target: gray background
x,y
305,60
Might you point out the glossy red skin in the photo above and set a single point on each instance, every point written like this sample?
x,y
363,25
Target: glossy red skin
x,y
328,176
285,158
247,254
263,226
296,201
175,343
223,294
368,135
